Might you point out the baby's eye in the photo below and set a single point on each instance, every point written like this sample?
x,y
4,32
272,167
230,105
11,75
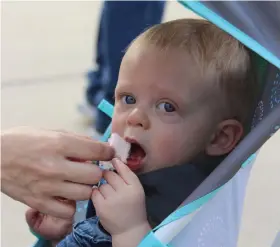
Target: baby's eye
x,y
167,107
128,99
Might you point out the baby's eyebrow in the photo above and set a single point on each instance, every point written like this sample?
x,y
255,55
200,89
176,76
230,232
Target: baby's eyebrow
x,y
121,88
180,100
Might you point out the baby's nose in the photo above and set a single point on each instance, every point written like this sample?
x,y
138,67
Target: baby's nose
x,y
138,118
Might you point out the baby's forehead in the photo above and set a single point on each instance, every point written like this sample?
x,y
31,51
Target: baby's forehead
x,y
171,69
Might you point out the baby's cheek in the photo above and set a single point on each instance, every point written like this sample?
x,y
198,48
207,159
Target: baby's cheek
x,y
173,148
172,154
118,125
114,126
167,152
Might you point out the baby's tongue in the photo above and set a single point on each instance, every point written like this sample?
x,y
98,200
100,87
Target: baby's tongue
x,y
135,158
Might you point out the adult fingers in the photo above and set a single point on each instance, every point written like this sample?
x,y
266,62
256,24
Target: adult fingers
x,y
83,173
71,191
54,207
73,134
83,148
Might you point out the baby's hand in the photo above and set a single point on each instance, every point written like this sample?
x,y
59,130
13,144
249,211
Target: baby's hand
x,y
120,205
49,227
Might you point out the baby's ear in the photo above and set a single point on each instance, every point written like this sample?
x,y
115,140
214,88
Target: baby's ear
x,y
226,137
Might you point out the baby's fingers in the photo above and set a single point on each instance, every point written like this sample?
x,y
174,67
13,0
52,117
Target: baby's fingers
x,y
46,226
97,198
114,180
32,216
125,173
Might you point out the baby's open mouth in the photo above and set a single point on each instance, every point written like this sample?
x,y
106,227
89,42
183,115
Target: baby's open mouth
x,y
136,156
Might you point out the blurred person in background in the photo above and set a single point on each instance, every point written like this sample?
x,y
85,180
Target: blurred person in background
x,y
120,23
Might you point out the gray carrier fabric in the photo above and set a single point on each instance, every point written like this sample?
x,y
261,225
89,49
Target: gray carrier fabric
x,y
258,19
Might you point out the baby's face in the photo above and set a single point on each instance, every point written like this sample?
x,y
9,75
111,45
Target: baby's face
x,y
159,108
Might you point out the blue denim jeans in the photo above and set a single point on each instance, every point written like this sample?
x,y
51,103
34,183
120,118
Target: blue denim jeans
x,y
87,233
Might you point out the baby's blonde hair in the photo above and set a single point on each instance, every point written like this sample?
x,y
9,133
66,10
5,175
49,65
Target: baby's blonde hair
x,y
223,61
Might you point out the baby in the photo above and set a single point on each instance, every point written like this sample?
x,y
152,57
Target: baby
x,y
184,97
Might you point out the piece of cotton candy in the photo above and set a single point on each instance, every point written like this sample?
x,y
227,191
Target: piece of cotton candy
x,y
121,148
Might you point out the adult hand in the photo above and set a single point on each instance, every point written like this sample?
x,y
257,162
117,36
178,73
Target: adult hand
x,y
41,166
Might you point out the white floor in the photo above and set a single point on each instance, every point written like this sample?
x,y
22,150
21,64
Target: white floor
x,y
45,49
